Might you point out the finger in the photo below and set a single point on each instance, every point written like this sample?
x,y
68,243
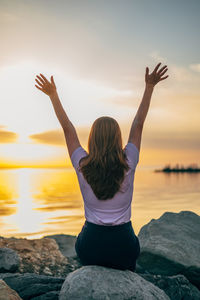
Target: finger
x,y
164,78
147,72
162,69
44,77
42,81
40,84
52,81
162,73
156,68
38,88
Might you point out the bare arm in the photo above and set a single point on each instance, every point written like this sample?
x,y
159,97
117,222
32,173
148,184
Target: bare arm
x,y
137,126
49,88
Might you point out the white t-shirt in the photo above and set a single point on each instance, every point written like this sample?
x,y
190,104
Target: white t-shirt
x,y
116,210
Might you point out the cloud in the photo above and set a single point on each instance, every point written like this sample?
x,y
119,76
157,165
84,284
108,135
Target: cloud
x,y
56,137
171,140
7,136
195,67
181,74
52,137
177,72
157,57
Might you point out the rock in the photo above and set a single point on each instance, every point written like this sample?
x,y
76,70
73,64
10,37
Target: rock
x,y
139,269
66,244
97,282
176,287
53,295
40,256
75,263
170,245
6,293
34,286
9,260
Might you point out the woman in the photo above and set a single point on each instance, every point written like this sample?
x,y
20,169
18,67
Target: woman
x,y
106,176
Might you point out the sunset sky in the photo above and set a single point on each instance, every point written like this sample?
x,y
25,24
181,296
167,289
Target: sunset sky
x,y
97,51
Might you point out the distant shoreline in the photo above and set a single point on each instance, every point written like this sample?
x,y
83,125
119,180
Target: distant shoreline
x,y
193,168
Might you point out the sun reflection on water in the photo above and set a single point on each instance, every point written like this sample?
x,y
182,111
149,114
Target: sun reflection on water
x,y
45,201
26,219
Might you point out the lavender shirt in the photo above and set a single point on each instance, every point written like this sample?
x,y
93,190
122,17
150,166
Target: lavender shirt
x,y
113,211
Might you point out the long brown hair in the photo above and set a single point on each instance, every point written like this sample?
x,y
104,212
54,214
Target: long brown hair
x,y
105,165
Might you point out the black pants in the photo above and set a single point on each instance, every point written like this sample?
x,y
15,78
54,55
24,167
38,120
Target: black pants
x,y
110,246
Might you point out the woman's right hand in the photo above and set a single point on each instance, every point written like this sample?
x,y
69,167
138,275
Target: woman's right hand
x,y
49,88
155,77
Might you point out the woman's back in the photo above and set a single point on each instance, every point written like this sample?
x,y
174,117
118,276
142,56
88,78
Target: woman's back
x,y
113,211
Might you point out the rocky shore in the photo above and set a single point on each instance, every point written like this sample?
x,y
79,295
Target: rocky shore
x,y
48,269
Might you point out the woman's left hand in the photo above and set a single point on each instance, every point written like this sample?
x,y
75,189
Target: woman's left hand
x,y
49,88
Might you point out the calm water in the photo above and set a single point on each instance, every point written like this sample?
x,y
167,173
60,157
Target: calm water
x,y
38,202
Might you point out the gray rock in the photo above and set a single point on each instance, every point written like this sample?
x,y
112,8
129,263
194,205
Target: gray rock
x,y
6,293
53,295
176,287
34,286
66,243
9,260
101,283
170,245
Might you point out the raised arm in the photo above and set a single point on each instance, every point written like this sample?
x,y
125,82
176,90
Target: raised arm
x,y
150,81
49,88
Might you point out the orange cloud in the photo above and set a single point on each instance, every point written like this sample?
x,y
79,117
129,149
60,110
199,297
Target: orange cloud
x,y
51,137
56,137
7,136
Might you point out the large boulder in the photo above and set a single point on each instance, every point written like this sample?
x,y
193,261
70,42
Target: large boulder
x,y
6,293
177,287
34,286
170,245
97,282
40,256
9,260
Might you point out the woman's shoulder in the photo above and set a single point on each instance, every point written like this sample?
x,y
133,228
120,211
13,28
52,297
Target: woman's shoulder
x,y
132,154
130,145
76,156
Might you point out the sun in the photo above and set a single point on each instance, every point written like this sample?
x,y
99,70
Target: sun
x,y
23,109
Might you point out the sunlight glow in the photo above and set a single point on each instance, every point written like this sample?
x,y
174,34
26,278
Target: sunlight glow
x,y
31,153
25,110
26,219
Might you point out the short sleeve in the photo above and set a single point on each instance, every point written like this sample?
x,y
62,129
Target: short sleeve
x,y
132,154
77,154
